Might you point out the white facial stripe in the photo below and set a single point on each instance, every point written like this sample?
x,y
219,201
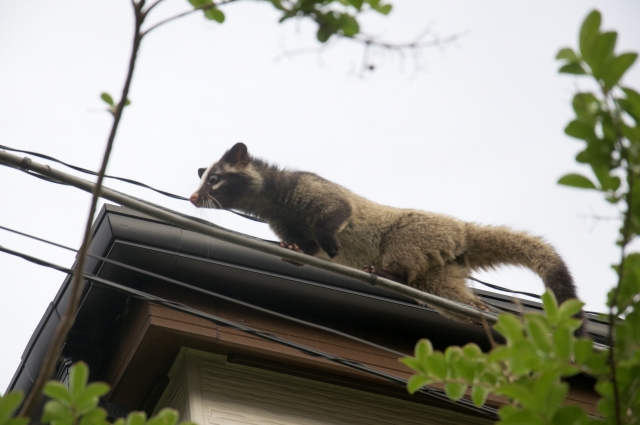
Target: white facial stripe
x,y
220,183
203,179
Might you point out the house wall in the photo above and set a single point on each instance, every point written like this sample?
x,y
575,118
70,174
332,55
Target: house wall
x,y
206,389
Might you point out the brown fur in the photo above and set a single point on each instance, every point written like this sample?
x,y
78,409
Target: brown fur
x,y
431,252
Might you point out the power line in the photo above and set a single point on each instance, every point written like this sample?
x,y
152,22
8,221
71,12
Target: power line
x,y
123,179
485,410
219,233
182,198
213,294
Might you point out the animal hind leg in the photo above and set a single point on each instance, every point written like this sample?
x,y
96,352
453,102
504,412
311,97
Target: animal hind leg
x,y
451,283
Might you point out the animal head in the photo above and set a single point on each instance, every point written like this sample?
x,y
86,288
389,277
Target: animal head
x,y
227,182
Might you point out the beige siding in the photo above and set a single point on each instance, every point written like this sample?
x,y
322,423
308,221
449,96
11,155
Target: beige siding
x,y
208,390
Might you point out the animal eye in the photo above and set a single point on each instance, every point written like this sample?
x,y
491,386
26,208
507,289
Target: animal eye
x,y
213,179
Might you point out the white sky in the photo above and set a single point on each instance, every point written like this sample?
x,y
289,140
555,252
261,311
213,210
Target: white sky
x,y
478,134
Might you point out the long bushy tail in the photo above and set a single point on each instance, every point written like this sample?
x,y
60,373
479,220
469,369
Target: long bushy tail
x,y
489,247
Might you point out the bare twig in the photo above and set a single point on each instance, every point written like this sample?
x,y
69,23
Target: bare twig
x,y
183,14
148,9
487,329
626,238
372,43
77,287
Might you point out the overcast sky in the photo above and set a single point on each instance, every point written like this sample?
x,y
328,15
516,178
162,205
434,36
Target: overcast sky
x,y
475,131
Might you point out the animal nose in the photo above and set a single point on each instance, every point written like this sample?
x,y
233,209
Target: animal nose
x,y
194,199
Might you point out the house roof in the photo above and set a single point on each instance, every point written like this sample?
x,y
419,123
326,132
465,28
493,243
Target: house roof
x,y
306,293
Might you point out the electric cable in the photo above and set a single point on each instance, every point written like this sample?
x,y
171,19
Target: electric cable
x,y
500,288
123,179
485,410
213,294
182,198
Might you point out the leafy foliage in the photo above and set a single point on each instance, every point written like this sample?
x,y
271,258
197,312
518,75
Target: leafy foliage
x,y
77,404
334,17
541,350
8,405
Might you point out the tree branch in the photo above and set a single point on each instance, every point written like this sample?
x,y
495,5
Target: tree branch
x,y
626,238
373,42
146,12
183,14
77,287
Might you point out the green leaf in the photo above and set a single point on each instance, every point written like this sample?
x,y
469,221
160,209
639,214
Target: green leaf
x,y
569,415
166,416
632,103
455,391
416,382
17,421
604,388
572,68
602,52
472,350
199,3
54,411
436,365
539,335
580,130
57,391
214,14
518,392
95,417
356,3
413,363
521,417
550,305
569,309
9,403
324,32
465,368
136,418
606,407
568,54
617,68
589,31
499,353
423,349
586,106
562,341
479,395
88,400
576,180
348,25
555,397
78,376
385,9
107,98
509,327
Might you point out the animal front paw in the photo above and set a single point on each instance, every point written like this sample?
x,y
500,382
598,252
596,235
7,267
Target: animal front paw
x,y
480,307
291,246
369,269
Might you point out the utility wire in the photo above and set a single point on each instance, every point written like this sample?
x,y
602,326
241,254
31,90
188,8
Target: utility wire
x,y
123,179
222,234
485,410
500,288
182,198
214,294
93,173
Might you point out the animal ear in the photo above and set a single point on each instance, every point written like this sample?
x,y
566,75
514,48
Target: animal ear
x,y
237,155
201,171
